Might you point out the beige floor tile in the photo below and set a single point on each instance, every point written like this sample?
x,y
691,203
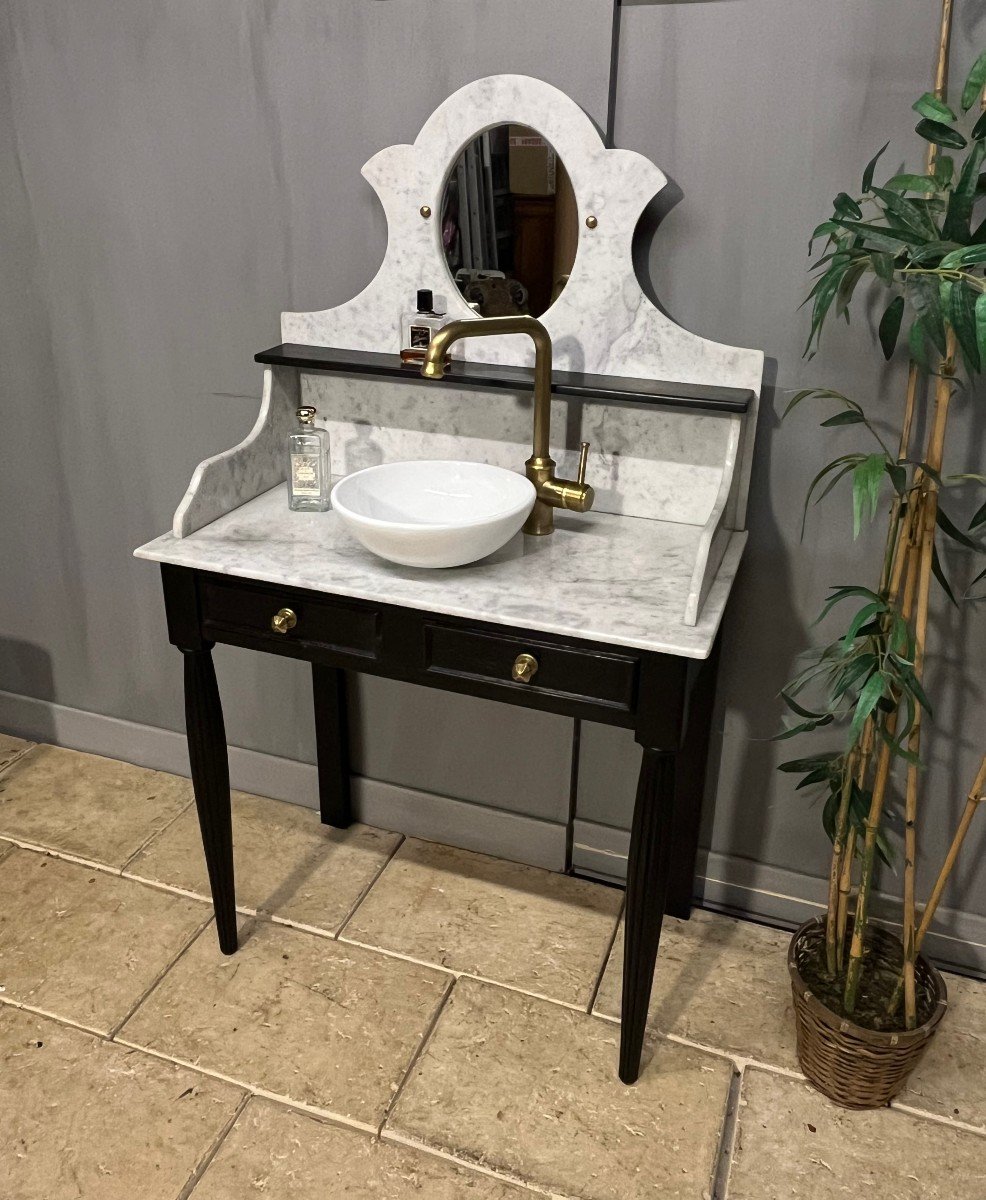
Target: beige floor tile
x,y
793,1144
84,944
720,982
288,1156
530,1088
11,748
533,929
296,1014
82,1119
287,861
94,807
951,1078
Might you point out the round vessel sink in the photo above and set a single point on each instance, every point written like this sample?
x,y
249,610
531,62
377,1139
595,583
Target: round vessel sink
x,y
433,513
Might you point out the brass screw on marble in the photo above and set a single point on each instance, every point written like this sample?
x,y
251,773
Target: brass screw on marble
x,y
591,222
425,211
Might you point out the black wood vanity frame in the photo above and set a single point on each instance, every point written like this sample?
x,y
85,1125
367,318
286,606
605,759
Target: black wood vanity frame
x,y
665,699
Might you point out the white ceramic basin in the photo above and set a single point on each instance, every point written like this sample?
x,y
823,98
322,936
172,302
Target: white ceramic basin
x,y
433,513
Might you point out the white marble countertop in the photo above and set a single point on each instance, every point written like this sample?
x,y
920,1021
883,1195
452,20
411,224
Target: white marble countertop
x,y
608,578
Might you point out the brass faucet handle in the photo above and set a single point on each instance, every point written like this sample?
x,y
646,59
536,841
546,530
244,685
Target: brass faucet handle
x,y
284,620
583,461
524,668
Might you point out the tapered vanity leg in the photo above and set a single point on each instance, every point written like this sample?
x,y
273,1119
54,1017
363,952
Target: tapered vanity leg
x,y
648,870
210,780
332,745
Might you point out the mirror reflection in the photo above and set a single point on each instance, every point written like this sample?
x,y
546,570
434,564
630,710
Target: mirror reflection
x,y
509,223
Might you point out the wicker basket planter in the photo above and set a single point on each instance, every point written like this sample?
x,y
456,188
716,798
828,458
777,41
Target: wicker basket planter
x,y
857,1067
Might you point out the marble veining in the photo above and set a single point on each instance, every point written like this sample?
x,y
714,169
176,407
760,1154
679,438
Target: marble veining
x,y
657,463
616,579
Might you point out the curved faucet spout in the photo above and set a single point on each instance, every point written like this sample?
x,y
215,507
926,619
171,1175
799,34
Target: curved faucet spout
x,y
540,467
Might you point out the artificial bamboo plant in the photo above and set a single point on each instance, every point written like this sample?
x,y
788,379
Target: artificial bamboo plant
x,y
919,243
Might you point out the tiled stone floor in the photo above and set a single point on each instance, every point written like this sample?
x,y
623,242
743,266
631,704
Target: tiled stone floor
x,y
401,1020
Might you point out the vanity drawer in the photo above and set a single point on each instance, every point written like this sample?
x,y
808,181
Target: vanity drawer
x,y
574,672
281,618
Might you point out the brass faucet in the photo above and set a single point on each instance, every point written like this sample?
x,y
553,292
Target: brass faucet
x,y
552,493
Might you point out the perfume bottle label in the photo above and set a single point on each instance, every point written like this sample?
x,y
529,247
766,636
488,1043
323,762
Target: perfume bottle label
x,y
420,337
306,475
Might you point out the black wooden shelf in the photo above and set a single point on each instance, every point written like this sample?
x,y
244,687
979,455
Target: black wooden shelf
x,y
612,388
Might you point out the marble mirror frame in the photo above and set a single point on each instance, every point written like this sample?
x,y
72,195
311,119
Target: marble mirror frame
x,y
601,323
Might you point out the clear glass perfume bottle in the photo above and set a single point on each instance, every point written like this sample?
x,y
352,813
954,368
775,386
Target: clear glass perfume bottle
x,y
418,328
308,465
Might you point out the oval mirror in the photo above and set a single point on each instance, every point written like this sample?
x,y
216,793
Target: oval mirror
x,y
509,222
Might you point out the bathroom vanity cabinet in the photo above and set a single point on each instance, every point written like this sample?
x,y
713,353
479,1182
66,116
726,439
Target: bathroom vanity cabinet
x,y
612,618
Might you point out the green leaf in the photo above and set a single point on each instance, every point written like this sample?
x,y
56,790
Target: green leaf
x,y
964,257
979,129
890,325
866,481
932,250
908,213
913,183
883,265
981,575
915,343
940,135
898,477
944,170
948,526
795,766
853,459
877,237
956,227
825,292
827,228
868,697
975,82
926,299
871,167
846,206
859,620
819,775
849,417
842,593
939,573
981,326
929,105
847,286
979,518
962,315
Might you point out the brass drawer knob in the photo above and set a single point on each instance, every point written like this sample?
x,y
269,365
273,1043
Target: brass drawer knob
x,y
283,620
524,668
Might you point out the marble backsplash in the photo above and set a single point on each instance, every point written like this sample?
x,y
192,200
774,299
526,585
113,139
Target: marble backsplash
x,y
644,462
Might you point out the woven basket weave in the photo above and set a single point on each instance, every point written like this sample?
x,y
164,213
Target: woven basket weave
x,y
857,1067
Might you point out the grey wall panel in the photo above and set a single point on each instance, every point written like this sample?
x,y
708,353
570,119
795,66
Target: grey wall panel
x,y
174,175
760,111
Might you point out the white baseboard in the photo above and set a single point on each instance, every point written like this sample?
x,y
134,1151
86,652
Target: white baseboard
x,y
737,885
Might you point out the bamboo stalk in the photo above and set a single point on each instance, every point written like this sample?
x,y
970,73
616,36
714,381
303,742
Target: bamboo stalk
x,y
927,524
976,796
845,887
836,869
905,560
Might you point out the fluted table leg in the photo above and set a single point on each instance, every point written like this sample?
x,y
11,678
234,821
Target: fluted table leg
x,y
648,871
